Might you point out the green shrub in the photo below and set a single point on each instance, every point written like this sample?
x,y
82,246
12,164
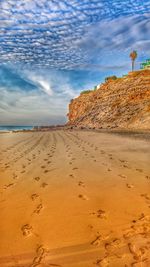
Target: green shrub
x,y
110,78
86,92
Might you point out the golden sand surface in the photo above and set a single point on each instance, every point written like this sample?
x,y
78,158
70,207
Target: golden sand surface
x,y
74,199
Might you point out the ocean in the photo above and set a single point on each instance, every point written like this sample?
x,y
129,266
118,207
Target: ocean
x,y
14,128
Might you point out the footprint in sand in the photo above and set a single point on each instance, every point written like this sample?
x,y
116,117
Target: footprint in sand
x,y
43,166
102,262
7,166
80,183
100,214
139,170
130,185
146,196
122,160
44,184
83,197
143,217
97,241
142,229
75,168
114,244
40,252
138,253
34,196
46,171
37,178
126,166
26,229
8,185
122,176
14,176
38,208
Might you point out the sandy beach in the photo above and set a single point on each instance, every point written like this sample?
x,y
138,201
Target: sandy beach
x,y
74,199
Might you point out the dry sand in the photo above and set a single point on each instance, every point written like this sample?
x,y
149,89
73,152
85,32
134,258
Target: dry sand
x,y
74,199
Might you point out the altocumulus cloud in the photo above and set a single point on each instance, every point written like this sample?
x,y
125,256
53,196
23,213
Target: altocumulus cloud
x,y
48,33
50,50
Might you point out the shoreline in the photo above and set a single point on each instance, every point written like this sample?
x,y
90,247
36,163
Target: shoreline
x,y
135,133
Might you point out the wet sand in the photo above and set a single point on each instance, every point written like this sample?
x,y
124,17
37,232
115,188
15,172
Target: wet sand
x,y
74,199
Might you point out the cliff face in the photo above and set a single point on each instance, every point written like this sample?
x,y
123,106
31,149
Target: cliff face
x,y
123,103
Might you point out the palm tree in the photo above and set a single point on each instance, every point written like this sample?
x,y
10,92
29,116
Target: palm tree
x,y
133,56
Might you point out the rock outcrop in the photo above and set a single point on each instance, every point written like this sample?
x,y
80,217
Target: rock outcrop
x,y
122,103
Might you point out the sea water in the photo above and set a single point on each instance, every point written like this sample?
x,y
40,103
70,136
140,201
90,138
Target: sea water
x,y
14,128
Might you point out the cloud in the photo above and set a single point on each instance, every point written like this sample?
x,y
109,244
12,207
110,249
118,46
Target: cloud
x,y
41,83
30,108
119,33
109,43
48,33
34,97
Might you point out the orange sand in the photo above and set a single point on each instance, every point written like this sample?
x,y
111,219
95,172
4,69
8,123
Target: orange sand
x,y
74,199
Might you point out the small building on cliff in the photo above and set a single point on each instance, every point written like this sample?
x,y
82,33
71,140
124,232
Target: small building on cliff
x,y
146,65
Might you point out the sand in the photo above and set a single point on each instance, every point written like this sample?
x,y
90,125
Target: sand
x,y
74,199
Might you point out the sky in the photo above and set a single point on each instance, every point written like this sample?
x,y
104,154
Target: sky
x,y
51,50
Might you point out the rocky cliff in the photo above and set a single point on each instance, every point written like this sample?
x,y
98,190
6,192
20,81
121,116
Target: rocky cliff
x,y
121,103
